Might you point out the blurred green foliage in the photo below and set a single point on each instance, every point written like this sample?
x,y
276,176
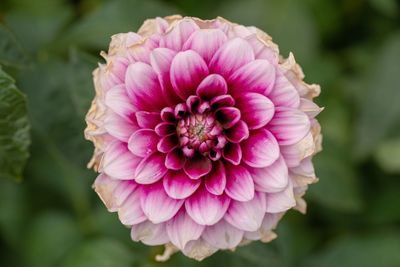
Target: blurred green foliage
x,y
53,218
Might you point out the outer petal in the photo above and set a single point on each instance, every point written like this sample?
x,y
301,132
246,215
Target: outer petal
x,y
256,109
289,125
258,76
118,126
118,101
197,167
143,142
206,208
284,93
271,179
181,229
294,154
143,87
118,162
239,184
149,233
231,56
178,185
281,201
157,205
215,181
213,85
261,149
248,215
223,235
151,169
187,71
130,212
175,38
198,249
205,42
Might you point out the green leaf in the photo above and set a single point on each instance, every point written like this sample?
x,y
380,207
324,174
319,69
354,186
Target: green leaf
x,y
369,250
50,237
11,52
379,109
14,129
100,253
388,155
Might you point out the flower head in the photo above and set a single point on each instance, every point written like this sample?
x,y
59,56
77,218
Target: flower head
x,y
203,134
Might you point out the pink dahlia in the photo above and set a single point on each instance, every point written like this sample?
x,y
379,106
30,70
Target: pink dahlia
x,y
203,134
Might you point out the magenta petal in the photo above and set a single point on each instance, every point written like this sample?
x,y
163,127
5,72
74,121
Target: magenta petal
x,y
222,101
193,103
161,59
118,162
175,160
205,42
213,85
181,229
151,169
247,216
281,201
215,181
239,183
289,125
197,166
256,109
223,235
130,212
143,87
143,142
147,120
157,205
232,153
118,101
150,233
119,127
257,76
284,93
178,185
165,128
231,56
188,69
238,132
271,179
178,35
206,208
167,143
261,149
227,116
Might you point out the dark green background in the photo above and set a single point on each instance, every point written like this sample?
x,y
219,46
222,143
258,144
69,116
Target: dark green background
x,y
49,215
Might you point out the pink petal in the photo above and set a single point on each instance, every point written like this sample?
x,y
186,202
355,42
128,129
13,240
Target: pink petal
x,y
257,76
181,229
281,201
118,162
215,181
157,205
147,120
213,85
119,127
289,125
284,93
248,215
175,38
232,153
118,101
223,235
206,208
178,185
168,143
261,149
151,169
256,109
165,128
238,132
265,233
205,42
261,51
197,167
188,69
143,142
143,87
294,154
161,59
239,183
130,212
228,116
231,56
175,160
273,178
149,233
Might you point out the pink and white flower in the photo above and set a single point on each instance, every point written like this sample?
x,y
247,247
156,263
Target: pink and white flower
x,y
203,134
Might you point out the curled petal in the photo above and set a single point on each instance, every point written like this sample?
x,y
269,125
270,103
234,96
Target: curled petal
x,y
222,101
228,116
215,181
238,132
179,186
165,128
213,85
232,153
223,235
151,169
271,179
167,143
239,183
309,108
150,233
175,160
197,167
261,149
143,142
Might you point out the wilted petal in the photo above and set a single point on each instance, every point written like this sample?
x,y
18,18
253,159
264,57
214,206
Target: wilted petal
x,y
157,205
309,108
178,185
215,181
273,178
198,249
223,235
239,183
151,169
150,233
294,154
197,167
281,201
261,149
213,85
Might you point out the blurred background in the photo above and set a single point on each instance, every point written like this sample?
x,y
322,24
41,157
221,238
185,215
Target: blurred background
x,y
49,215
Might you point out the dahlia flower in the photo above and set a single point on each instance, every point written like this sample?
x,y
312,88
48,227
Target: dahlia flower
x,y
203,134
